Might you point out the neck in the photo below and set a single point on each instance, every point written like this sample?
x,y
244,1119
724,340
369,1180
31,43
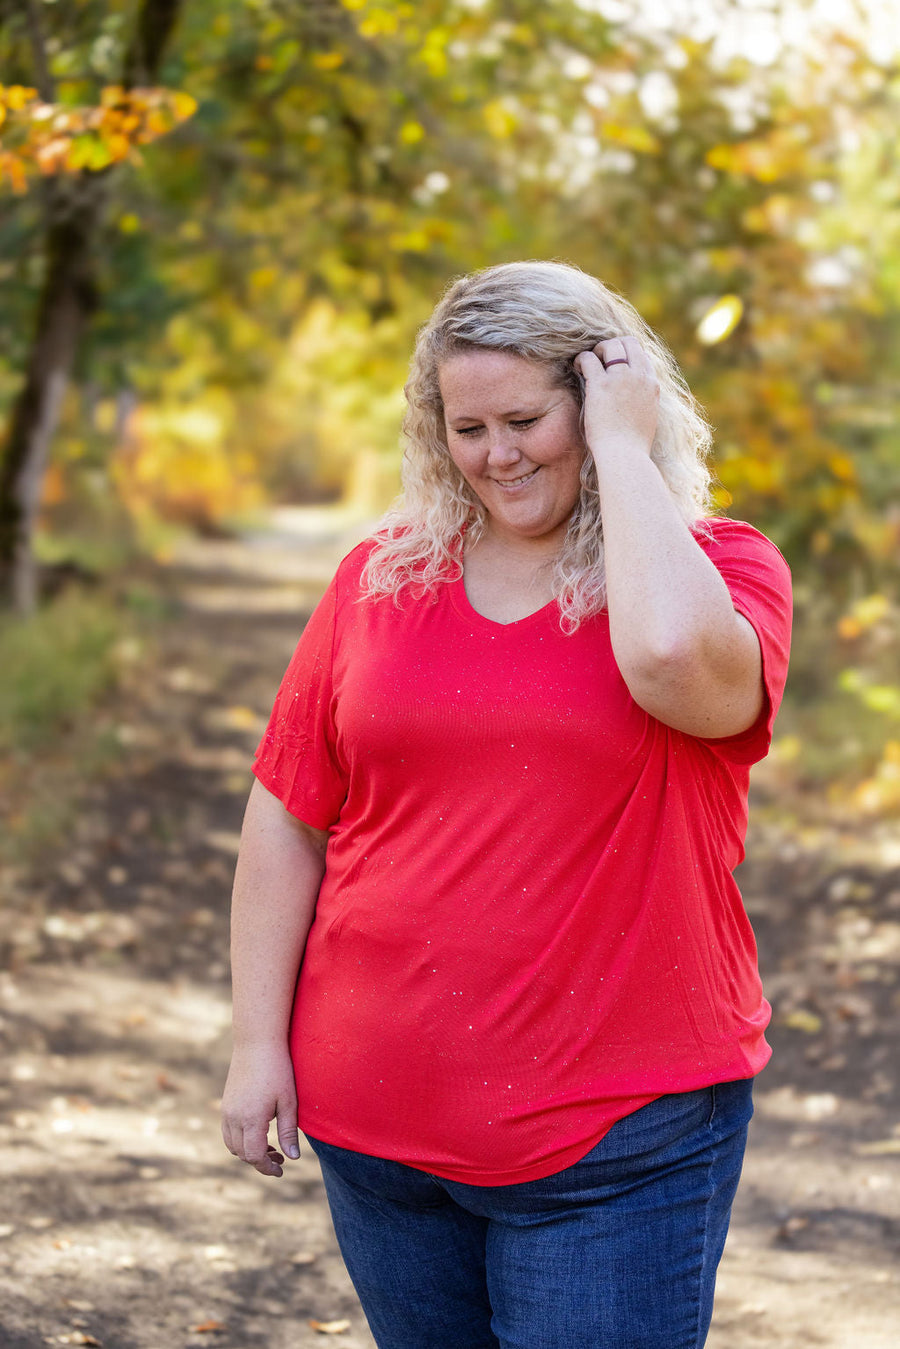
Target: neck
x,y
518,551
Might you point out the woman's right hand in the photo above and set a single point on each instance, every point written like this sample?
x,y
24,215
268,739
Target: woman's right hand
x,y
260,1088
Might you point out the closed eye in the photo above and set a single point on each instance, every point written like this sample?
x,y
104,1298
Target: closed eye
x,y
520,425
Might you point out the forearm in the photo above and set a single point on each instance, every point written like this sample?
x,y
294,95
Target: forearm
x,y
277,878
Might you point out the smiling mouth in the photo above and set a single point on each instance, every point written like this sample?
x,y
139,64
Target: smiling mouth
x,y
516,482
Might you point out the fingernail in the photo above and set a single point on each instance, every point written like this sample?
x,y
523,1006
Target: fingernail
x,y
294,1152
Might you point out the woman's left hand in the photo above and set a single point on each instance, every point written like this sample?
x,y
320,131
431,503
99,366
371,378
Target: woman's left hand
x,y
621,394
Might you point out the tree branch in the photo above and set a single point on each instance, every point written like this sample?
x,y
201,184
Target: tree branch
x,y
152,30
42,77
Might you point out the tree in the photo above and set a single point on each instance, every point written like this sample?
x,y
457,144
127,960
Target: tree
x,y
73,206
349,156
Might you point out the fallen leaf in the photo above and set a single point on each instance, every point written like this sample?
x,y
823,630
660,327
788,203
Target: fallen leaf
x,y
209,1328
803,1020
330,1327
303,1258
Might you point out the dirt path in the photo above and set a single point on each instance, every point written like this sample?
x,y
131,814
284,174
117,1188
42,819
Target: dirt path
x,y
124,1223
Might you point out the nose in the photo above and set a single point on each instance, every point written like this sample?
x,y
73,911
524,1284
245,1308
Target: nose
x,y
503,450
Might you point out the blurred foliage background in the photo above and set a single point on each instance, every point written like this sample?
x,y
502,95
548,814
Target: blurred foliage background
x,y
266,198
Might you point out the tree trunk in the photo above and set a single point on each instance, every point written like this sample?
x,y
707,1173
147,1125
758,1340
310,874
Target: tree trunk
x,y
65,305
74,214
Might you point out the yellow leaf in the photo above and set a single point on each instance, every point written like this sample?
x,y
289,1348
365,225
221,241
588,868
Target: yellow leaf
x,y
765,159
12,166
849,628
80,153
413,241
328,60
379,22
800,1019
843,467
499,119
17,95
263,278
241,718
433,54
157,124
636,138
88,152
118,146
330,1327
787,748
870,610
185,106
723,157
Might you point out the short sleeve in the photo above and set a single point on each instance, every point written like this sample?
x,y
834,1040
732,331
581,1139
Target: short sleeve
x,y
297,758
759,582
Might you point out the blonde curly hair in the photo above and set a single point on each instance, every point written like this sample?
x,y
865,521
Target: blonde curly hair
x,y
548,312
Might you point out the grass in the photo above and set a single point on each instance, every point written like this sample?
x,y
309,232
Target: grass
x,y
55,667
58,669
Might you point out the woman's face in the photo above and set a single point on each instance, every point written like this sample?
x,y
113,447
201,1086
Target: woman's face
x,y
515,436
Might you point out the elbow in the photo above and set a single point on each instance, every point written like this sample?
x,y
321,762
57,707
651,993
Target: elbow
x,y
658,662
709,692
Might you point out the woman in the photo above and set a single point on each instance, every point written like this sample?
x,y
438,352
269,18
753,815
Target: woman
x,y
498,807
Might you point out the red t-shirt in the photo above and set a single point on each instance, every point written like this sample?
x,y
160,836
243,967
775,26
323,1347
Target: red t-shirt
x,y
528,925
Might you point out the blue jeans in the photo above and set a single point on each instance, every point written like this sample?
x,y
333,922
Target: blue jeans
x,y
618,1251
